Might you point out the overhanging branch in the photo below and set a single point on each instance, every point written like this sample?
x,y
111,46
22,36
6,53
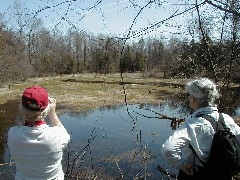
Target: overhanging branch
x,y
223,9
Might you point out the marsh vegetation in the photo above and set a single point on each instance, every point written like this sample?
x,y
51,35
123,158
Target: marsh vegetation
x,y
116,122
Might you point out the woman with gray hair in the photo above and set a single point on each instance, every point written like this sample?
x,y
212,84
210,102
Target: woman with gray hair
x,y
196,132
36,147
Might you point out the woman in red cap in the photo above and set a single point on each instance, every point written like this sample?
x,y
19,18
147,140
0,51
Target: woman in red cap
x,y
36,147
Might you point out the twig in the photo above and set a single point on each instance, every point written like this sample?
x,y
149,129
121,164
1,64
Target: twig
x,y
120,170
160,116
164,171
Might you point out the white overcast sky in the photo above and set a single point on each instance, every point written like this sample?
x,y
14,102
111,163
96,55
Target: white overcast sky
x,y
113,17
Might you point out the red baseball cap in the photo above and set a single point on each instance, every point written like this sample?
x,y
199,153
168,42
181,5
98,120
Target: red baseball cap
x,y
35,98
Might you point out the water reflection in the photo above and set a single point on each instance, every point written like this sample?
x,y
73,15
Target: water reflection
x,y
122,141
115,142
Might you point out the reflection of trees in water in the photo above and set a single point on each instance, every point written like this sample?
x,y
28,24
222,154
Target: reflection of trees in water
x,y
8,115
101,109
127,165
137,162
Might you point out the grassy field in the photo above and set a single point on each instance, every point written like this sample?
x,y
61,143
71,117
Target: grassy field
x,y
89,91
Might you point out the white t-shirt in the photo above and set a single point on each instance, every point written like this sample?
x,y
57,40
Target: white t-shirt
x,y
37,151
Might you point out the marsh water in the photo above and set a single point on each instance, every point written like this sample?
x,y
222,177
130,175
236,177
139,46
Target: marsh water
x,y
120,142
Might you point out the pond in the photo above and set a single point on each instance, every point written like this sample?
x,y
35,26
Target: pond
x,y
121,142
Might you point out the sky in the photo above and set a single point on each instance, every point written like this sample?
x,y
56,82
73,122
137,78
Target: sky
x,y
113,17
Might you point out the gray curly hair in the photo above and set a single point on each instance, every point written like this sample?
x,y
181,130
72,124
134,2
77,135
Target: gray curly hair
x,y
204,90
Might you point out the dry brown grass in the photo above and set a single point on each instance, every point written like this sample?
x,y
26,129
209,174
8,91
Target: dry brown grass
x,y
88,91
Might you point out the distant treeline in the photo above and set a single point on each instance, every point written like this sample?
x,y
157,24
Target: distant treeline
x,y
44,53
31,50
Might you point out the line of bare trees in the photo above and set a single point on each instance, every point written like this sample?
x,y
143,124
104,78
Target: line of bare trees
x,y
34,50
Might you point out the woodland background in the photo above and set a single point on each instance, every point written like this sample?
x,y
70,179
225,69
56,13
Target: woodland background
x,y
31,50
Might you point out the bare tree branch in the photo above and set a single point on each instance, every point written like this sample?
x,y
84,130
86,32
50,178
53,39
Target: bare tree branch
x,y
232,11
